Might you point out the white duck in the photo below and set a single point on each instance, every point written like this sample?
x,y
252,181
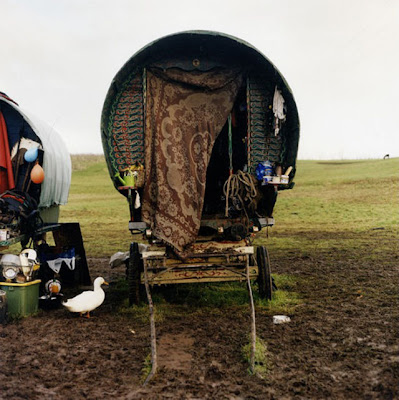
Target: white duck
x,y
89,300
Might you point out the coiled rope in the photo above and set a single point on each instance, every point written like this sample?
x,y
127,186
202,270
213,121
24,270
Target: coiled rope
x,y
242,187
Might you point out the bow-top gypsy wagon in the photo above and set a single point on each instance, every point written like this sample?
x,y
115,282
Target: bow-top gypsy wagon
x,y
200,131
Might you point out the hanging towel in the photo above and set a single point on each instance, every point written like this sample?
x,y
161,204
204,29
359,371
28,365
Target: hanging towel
x,y
55,265
279,110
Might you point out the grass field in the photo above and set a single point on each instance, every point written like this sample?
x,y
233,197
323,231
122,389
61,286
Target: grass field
x,y
357,201
337,209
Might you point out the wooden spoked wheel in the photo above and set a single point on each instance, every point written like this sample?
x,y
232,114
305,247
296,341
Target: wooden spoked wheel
x,y
134,268
265,282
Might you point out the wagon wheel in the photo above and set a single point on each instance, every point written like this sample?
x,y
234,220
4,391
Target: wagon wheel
x,y
133,274
265,282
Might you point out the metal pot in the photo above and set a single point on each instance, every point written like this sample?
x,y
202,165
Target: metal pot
x,y
10,259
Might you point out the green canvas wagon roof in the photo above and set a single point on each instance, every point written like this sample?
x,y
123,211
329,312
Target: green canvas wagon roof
x,y
190,50
185,45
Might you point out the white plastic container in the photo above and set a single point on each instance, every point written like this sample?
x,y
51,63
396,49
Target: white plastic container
x,y
276,179
285,179
10,259
267,179
4,235
281,319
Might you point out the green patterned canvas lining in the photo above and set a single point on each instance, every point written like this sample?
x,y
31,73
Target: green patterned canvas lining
x,y
263,144
126,125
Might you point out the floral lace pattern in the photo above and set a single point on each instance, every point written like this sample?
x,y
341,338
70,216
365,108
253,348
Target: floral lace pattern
x,y
185,111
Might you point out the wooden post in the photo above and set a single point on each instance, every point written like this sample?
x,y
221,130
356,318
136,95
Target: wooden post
x,y
154,361
253,324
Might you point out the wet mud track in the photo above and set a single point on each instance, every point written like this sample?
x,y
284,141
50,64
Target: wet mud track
x,y
342,343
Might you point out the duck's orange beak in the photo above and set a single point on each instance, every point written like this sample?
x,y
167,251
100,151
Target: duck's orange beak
x,y
105,283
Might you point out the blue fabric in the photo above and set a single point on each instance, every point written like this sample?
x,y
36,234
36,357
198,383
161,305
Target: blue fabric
x,y
16,125
52,256
263,169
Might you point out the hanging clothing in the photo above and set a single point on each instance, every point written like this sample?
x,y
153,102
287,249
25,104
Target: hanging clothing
x,y
185,112
56,264
6,174
279,111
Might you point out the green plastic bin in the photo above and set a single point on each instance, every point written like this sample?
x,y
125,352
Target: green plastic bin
x,y
22,298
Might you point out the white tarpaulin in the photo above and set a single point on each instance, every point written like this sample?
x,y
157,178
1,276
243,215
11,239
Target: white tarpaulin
x,y
56,161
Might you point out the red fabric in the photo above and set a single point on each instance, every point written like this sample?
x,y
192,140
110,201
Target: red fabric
x,y
6,175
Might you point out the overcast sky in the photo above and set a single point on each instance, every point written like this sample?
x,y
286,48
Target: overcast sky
x,y
340,58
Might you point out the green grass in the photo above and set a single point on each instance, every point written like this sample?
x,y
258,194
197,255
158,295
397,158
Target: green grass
x,y
351,207
101,211
355,197
283,302
337,205
147,367
197,299
82,161
141,313
347,198
262,362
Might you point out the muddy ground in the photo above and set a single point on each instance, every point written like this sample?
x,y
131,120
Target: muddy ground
x,y
341,343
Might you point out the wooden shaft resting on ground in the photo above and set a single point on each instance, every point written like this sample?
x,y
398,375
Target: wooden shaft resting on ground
x,y
154,361
253,324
